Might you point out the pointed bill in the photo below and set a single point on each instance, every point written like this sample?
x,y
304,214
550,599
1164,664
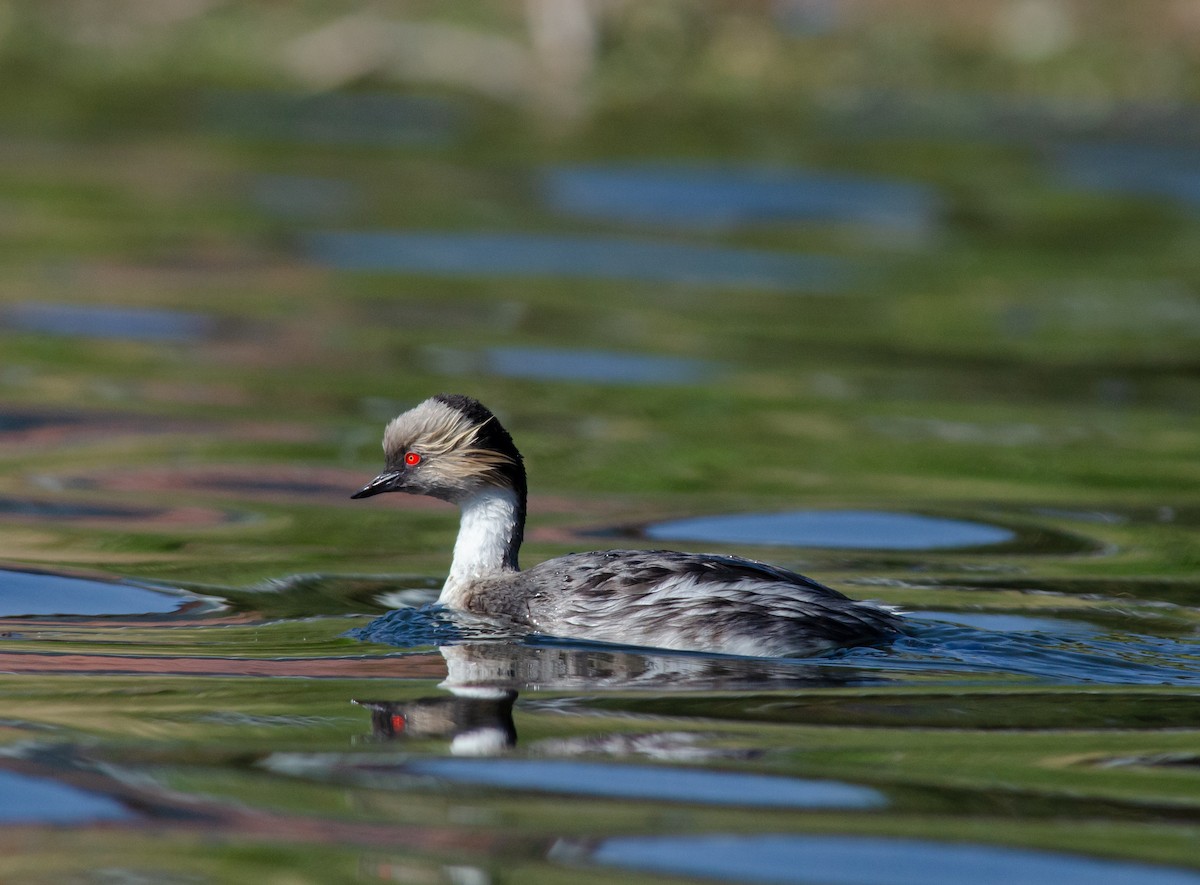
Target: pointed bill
x,y
388,481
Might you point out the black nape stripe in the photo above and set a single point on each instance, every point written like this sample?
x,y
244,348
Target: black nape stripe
x,y
491,434
472,408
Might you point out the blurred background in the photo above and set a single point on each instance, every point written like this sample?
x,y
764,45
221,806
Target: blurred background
x,y
749,254
903,294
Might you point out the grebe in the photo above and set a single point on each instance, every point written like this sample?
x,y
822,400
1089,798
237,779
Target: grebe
x,y
451,447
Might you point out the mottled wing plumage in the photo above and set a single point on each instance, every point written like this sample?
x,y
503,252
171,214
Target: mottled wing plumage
x,y
684,600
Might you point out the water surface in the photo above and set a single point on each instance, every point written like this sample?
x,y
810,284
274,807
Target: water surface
x,y
725,197
34,800
995,434
380,119
834,860
85,321
1146,170
836,529
25,594
587,257
590,366
631,782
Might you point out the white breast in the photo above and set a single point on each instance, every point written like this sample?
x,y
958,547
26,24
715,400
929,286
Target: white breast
x,y
484,536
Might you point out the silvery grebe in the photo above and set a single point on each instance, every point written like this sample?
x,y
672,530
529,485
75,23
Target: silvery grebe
x,y
451,447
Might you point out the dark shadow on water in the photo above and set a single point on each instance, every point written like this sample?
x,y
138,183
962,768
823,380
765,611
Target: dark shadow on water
x,y
1183,761
15,421
68,510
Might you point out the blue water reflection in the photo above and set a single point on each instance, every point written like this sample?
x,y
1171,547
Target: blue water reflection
x,y
1042,649
1171,173
562,364
24,594
1010,623
835,529
136,324
650,782
35,800
581,257
696,197
862,860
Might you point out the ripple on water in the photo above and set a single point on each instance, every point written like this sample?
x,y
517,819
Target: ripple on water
x,y
114,515
1010,623
40,427
835,529
35,593
858,860
69,510
587,257
1000,647
1044,649
35,800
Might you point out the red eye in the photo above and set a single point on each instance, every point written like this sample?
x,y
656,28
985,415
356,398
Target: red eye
x,y
412,459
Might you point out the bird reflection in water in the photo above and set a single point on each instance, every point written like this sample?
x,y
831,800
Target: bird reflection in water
x,y
484,678
476,722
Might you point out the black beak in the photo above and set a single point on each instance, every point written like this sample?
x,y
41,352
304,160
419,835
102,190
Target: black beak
x,y
388,481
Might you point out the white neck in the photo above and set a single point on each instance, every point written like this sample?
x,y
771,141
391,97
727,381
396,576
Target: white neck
x,y
485,547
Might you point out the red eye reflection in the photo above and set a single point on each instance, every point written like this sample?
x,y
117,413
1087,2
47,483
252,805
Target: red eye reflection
x,y
412,459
